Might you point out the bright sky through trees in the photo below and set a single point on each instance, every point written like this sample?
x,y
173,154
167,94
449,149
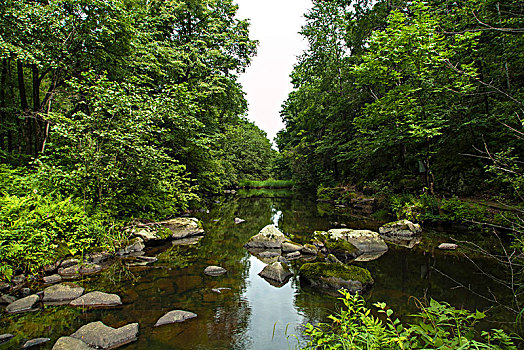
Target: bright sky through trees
x,y
275,24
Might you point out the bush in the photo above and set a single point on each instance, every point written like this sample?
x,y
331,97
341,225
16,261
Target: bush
x,y
436,326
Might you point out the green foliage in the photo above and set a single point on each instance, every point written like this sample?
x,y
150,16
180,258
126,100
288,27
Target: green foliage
x,y
436,326
37,230
270,183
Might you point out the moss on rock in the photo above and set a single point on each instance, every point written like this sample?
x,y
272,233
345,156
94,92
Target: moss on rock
x,y
313,271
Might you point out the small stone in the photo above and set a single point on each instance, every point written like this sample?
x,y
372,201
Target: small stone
x,y
239,220
69,343
214,271
219,290
4,338
69,262
56,278
175,316
97,299
62,292
98,335
6,299
23,305
35,342
448,246
148,259
18,279
289,247
25,292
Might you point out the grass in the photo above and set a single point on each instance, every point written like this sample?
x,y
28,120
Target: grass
x,y
270,183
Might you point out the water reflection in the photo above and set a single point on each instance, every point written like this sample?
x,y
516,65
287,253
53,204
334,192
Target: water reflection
x,y
251,313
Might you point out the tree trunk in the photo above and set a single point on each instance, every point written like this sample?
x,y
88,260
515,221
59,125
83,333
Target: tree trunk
x,y
36,110
25,108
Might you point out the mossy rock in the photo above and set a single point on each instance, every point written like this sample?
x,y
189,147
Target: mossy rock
x,y
334,276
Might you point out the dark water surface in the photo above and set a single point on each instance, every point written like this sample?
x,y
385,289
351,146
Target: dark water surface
x,y
254,314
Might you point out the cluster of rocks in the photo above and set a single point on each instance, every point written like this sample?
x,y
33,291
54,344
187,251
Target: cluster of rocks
x,y
334,248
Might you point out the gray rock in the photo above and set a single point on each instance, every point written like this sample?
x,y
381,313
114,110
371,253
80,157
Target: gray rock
x,y
334,276
148,259
56,278
98,335
69,262
6,299
135,245
184,227
4,338
25,292
276,271
268,238
403,242
175,316
448,246
77,271
23,305
147,235
290,247
51,267
239,220
214,271
401,228
64,292
368,243
97,299
69,343
309,249
97,258
35,342
219,290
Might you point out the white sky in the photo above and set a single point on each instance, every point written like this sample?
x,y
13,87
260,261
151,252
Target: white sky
x,y
275,24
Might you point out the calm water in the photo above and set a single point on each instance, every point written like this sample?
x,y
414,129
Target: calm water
x,y
252,314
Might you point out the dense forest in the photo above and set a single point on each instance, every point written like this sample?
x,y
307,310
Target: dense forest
x,y
408,97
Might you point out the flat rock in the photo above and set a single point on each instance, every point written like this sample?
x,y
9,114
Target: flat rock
x,y
293,255
448,246
309,249
269,237
77,271
6,299
4,338
401,228
276,271
135,245
98,335
290,247
69,262
35,342
214,271
62,292
97,299
69,343
239,220
99,257
175,316
23,305
184,227
56,278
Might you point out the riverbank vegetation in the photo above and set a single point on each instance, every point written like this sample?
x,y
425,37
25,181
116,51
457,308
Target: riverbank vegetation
x,y
114,110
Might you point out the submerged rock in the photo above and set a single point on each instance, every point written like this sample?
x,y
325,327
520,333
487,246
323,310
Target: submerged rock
x,y
448,246
23,305
97,299
184,227
98,335
277,272
69,343
401,228
334,276
214,271
269,237
62,293
187,241
35,342
175,316
239,220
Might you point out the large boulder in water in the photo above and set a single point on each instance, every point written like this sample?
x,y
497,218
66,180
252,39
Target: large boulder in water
x,y
401,229
98,335
184,227
334,276
269,237
369,244
277,272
